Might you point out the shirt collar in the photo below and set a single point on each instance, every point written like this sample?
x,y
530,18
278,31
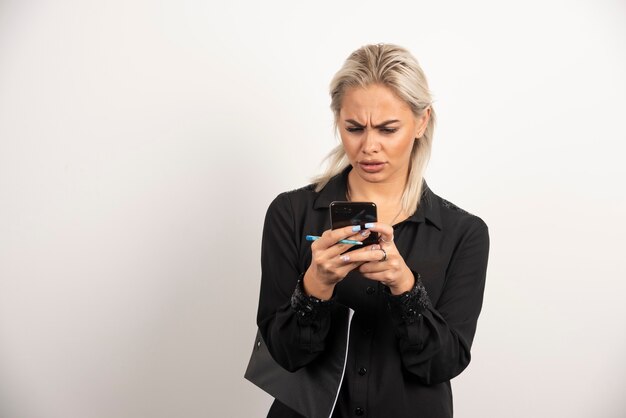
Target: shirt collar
x,y
428,209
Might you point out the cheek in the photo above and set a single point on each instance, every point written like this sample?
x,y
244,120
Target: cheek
x,y
350,147
404,147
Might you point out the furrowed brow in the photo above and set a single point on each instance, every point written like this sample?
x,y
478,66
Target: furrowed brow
x,y
385,123
355,123
380,125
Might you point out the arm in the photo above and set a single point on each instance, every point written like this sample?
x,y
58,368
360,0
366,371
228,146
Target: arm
x,y
435,341
293,325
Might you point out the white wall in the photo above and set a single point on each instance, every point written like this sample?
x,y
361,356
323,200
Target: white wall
x,y
141,142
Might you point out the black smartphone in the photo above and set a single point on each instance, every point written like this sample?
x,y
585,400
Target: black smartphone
x,y
354,213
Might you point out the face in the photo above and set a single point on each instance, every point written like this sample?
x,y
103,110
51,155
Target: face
x,y
378,130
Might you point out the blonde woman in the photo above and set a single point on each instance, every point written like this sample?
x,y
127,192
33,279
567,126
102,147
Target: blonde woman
x,y
416,294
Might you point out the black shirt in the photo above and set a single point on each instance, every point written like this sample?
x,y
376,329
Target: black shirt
x,y
403,350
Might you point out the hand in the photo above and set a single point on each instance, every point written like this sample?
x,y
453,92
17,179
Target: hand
x,y
391,270
328,265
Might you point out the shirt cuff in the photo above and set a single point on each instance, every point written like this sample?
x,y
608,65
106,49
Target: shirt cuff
x,y
410,304
309,308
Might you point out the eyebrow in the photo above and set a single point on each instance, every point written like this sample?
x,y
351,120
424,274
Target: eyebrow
x,y
380,125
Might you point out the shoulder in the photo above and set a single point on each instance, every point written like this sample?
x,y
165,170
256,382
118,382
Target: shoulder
x,y
304,193
455,218
293,200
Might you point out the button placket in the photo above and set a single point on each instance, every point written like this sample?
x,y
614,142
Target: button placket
x,y
361,372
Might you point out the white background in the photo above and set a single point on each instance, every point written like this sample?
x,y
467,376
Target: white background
x,y
141,142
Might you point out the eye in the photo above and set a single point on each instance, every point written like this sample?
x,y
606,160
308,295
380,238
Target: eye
x,y
354,129
389,130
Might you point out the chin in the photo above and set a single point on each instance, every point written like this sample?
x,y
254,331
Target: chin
x,y
372,177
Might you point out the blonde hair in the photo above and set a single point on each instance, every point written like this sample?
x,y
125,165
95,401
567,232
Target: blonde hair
x,y
395,68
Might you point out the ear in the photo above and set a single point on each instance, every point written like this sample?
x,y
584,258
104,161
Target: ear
x,y
422,123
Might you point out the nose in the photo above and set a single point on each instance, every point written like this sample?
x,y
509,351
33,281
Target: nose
x,y
371,143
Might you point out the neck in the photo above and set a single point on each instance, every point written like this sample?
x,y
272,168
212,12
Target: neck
x,y
388,192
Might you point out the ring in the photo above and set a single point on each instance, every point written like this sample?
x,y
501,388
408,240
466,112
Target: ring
x,y
384,255
383,240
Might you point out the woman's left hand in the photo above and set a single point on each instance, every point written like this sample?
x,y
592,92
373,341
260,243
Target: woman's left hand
x,y
382,262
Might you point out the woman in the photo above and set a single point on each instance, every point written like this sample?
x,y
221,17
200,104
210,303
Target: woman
x,y
417,293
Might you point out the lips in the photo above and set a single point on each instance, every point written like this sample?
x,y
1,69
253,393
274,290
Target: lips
x,y
372,166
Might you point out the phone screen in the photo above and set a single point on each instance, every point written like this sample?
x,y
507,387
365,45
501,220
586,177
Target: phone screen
x,y
354,213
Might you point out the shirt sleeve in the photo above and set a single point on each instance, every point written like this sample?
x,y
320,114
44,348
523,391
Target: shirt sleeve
x,y
294,325
435,341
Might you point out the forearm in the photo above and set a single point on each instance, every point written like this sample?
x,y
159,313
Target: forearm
x,y
429,347
296,332
431,350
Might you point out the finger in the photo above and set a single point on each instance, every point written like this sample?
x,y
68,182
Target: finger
x,y
368,254
330,237
353,232
339,247
345,267
374,267
385,231
333,262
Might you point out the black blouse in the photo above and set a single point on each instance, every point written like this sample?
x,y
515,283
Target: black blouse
x,y
403,350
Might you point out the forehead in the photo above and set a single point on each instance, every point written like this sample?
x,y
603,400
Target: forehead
x,y
373,100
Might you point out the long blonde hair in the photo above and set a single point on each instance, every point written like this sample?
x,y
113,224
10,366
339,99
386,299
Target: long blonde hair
x,y
395,68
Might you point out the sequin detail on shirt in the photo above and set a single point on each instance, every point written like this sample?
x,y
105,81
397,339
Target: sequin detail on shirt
x,y
412,303
449,205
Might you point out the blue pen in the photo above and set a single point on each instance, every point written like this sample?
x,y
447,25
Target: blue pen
x,y
343,241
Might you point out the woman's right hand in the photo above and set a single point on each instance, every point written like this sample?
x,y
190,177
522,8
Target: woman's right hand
x,y
327,267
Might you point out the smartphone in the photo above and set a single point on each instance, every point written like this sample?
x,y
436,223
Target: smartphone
x,y
354,213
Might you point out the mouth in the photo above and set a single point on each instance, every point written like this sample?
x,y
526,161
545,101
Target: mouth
x,y
371,166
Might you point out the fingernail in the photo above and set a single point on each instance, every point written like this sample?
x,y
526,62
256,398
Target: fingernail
x,y
357,228
345,258
369,225
365,233
375,247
